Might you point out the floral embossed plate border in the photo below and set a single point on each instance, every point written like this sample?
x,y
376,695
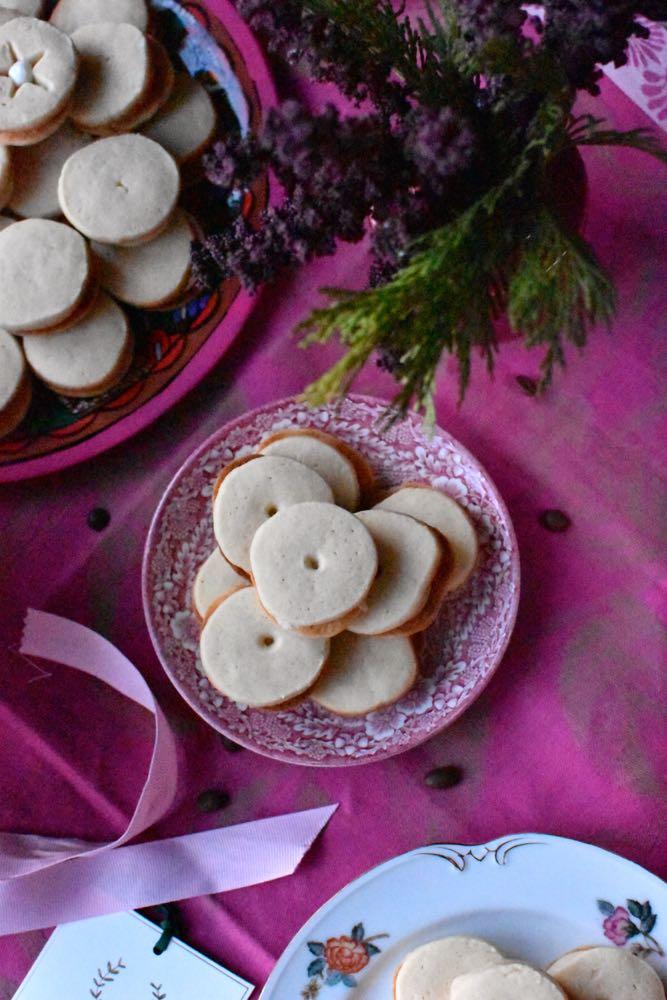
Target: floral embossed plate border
x,y
458,653
534,896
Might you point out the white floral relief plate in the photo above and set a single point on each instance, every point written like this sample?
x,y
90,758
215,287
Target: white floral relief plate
x,y
458,653
534,896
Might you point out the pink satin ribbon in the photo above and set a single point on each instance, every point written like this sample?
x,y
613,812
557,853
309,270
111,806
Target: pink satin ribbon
x,y
45,880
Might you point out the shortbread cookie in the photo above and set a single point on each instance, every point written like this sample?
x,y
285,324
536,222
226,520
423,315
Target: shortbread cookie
x,y
606,974
249,659
439,511
88,358
15,384
38,69
409,556
323,453
186,124
45,273
159,89
253,490
121,190
69,15
214,578
365,673
114,74
313,565
436,596
37,169
150,275
428,972
6,176
510,981
22,8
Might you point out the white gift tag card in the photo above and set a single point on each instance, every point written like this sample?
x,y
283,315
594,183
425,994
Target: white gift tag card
x,y
111,958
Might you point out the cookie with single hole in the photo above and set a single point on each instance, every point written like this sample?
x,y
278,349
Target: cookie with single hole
x,y
15,384
428,972
69,15
215,577
365,673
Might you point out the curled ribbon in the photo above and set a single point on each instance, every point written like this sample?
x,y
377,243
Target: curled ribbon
x,y
46,880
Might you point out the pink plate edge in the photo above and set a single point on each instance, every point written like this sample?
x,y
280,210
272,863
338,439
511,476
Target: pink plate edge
x,y
286,758
219,340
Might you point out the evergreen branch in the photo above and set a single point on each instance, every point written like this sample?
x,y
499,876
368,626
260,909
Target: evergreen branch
x,y
585,131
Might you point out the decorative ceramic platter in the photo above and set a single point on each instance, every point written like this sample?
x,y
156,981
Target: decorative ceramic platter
x,y
532,895
174,349
457,654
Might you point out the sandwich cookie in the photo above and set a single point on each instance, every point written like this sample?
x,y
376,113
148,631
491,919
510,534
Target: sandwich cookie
x,y
186,123
37,169
313,565
38,70
45,275
252,661
250,491
121,190
15,384
365,673
114,75
409,556
88,358
6,176
72,14
511,981
335,462
445,515
428,972
161,85
214,578
606,974
153,274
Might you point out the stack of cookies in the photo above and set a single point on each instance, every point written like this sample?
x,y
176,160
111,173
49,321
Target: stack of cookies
x,y
306,593
92,222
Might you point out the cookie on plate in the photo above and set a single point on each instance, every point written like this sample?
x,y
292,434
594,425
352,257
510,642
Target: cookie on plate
x,y
87,359
122,190
508,981
152,275
22,8
251,490
6,176
215,577
429,971
37,169
69,15
347,472
186,123
313,565
38,70
409,556
15,384
606,974
46,277
365,673
251,660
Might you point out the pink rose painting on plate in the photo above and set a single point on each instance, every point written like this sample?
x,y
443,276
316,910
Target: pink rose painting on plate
x,y
634,922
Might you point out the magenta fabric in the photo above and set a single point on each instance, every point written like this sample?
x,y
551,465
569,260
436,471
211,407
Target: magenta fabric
x,y
569,737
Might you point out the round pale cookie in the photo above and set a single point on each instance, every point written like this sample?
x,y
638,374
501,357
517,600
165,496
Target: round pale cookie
x,y
21,8
606,974
428,972
365,673
186,124
439,511
88,358
214,578
15,384
114,74
160,87
318,452
72,14
251,491
152,274
37,169
45,273
511,981
313,565
121,190
409,556
6,176
250,660
38,69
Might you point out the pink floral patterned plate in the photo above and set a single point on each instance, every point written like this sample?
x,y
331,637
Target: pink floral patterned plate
x,y
458,654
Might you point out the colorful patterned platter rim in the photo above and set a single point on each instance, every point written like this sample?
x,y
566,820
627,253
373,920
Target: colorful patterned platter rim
x,y
458,654
175,349
532,895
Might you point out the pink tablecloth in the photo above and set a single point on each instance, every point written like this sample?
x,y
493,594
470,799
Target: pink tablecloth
x,y
569,736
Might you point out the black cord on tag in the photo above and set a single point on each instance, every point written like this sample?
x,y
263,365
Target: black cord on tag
x,y
171,927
